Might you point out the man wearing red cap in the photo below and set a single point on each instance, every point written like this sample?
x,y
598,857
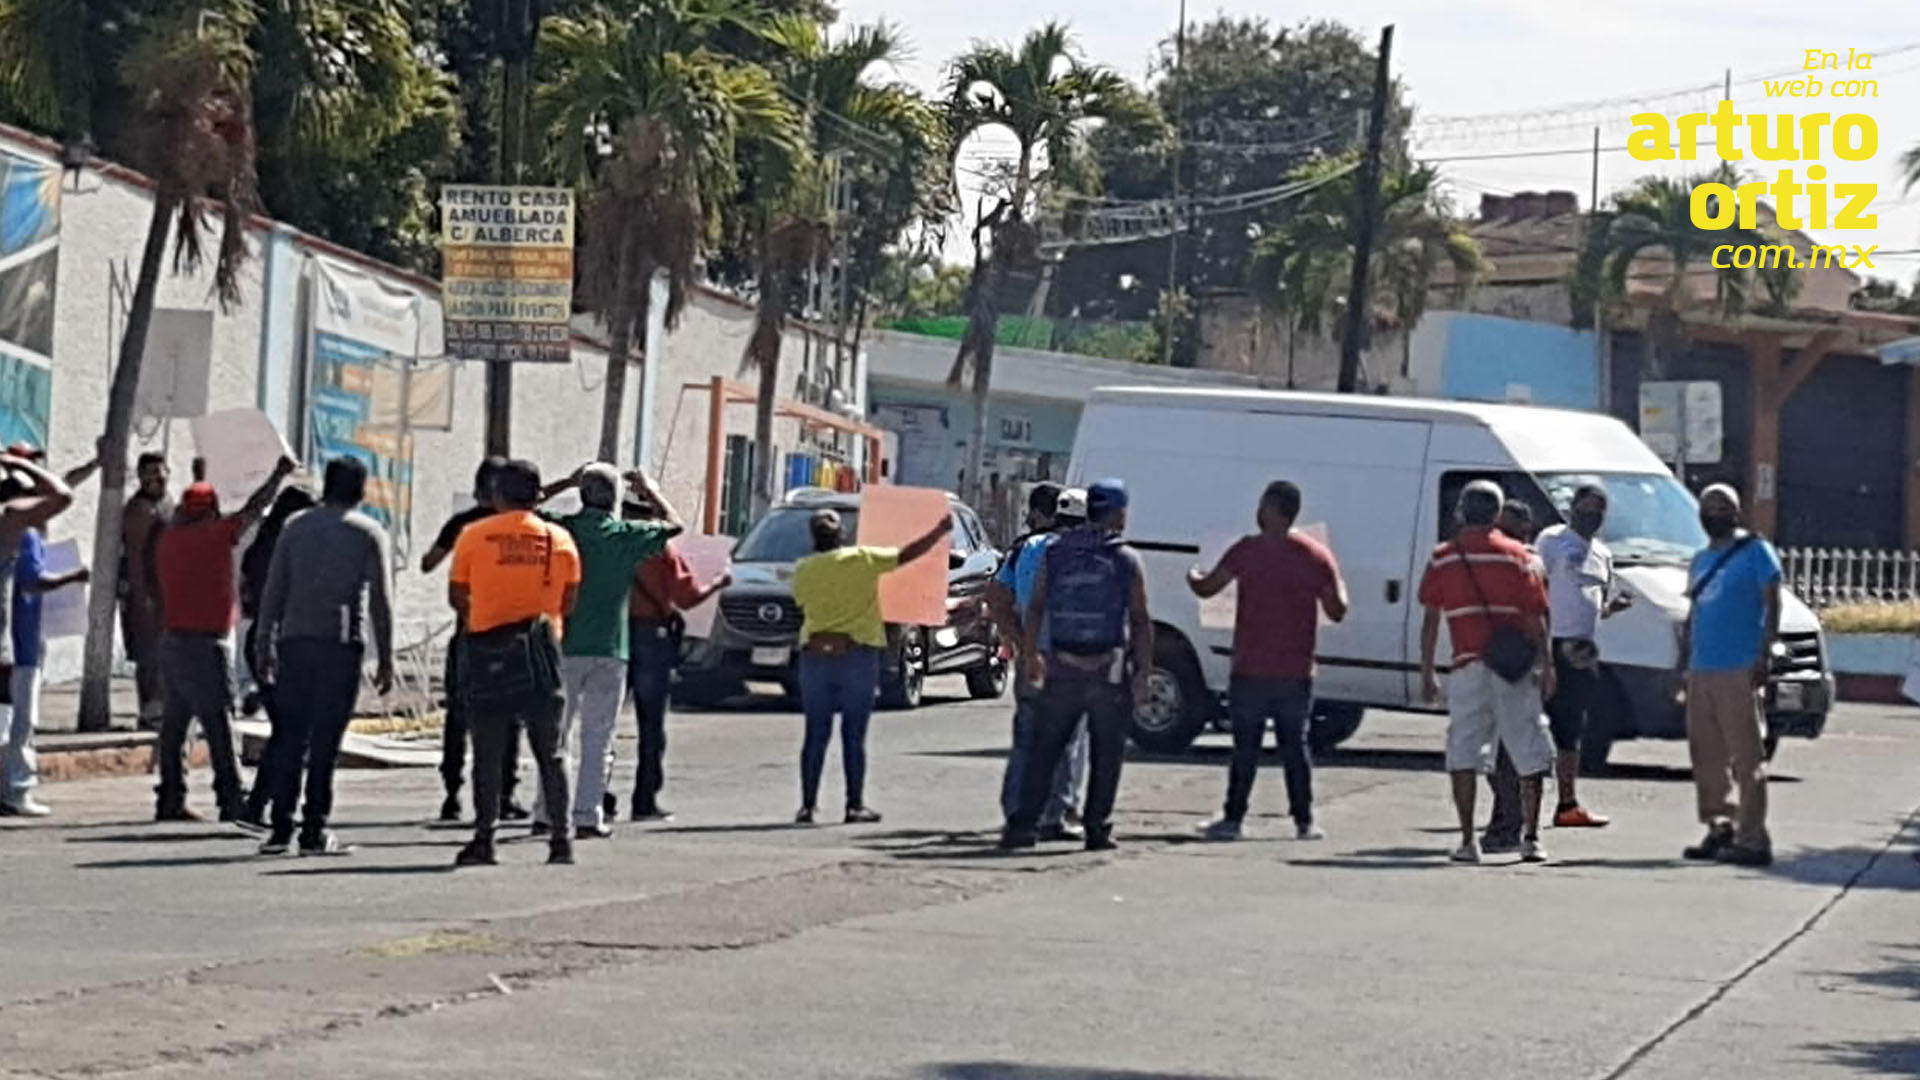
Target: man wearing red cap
x,y
199,606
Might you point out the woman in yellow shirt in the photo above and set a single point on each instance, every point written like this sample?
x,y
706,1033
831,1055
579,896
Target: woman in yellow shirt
x,y
838,590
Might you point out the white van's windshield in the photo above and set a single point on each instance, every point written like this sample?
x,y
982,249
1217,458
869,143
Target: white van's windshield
x,y
1650,517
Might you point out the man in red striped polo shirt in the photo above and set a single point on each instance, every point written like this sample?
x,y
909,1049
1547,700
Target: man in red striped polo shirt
x,y
1485,585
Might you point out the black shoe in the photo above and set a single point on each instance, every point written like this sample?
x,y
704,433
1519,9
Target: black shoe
x,y
1101,840
609,806
276,845
1062,830
450,810
1012,839
249,821
176,813
540,828
560,854
804,817
1743,855
477,853
1718,839
592,832
234,812
324,844
513,811
862,815
656,812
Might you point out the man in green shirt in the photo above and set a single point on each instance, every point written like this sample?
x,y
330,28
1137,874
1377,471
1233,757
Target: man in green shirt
x,y
593,665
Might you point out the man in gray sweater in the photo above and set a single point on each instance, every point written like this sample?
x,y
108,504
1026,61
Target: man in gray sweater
x,y
331,562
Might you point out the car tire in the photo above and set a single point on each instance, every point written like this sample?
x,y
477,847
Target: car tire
x,y
1179,706
988,682
1333,723
905,683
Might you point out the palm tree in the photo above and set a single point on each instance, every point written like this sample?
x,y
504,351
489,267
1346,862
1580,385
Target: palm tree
x,y
1652,220
845,119
190,129
1301,270
1042,93
642,110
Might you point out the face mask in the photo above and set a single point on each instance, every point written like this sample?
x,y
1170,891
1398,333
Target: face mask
x,y
1718,526
1586,522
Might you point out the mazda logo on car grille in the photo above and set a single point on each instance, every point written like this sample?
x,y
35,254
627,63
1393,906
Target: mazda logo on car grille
x,y
769,613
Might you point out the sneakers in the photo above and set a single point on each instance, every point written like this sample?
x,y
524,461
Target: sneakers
x,y
276,845
655,812
24,806
1062,830
1719,837
862,815
324,844
609,806
250,822
1579,817
1100,840
1746,855
1532,851
450,809
1012,839
1309,831
477,853
1221,830
513,811
804,817
1468,853
592,832
176,813
560,854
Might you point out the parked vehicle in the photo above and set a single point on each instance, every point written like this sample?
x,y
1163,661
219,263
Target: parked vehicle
x,y
1382,476
756,629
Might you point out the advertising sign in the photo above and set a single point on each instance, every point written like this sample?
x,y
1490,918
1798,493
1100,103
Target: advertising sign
x,y
29,265
507,277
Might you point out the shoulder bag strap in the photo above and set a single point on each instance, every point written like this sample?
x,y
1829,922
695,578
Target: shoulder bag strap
x,y
1698,587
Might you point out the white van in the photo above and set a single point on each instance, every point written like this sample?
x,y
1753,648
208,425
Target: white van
x,y
1381,475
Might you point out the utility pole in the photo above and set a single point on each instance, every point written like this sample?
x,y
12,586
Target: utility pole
x,y
519,30
1364,226
1173,241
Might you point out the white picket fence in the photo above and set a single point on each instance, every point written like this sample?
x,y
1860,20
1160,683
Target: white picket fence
x,y
1824,577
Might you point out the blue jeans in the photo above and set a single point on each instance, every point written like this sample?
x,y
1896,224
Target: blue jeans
x,y
845,685
1289,702
650,679
1066,779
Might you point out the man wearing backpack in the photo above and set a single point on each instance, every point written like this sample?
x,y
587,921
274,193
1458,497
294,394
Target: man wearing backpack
x,y
1050,510
1090,595
1735,588
1496,611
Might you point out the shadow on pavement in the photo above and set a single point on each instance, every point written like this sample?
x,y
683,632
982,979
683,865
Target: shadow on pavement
x,y
162,863
1892,1057
742,827
158,837
1847,866
348,867
1004,1070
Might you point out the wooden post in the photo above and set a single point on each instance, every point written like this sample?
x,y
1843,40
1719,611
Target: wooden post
x,y
716,455
1773,387
1912,463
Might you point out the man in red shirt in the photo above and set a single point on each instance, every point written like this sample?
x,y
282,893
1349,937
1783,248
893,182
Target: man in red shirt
x,y
1287,579
199,607
1486,587
663,587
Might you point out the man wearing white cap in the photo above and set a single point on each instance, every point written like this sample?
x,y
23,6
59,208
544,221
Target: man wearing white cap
x,y
1735,588
594,649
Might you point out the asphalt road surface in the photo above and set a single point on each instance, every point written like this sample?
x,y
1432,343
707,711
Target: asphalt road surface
x,y
730,944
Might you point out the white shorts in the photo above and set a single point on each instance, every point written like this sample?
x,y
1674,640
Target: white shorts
x,y
1485,711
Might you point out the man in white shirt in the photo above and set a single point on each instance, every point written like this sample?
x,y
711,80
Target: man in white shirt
x,y
1580,592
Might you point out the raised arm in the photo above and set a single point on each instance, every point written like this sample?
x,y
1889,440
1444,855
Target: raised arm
x,y
924,543
33,509
262,498
644,487
81,473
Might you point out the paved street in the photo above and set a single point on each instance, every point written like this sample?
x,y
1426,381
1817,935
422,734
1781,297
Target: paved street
x,y
731,945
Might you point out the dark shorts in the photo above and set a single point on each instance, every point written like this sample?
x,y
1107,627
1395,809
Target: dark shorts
x,y
1572,696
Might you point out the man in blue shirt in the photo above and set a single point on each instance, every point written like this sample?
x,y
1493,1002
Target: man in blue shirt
x,y
1735,588
1049,510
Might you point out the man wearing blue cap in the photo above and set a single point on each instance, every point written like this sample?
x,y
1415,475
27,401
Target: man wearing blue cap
x,y
1091,595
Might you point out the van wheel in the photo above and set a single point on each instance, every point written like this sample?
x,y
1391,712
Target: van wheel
x,y
903,686
1333,723
1178,707
988,681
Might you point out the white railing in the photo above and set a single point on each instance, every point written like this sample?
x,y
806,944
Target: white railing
x,y
1825,577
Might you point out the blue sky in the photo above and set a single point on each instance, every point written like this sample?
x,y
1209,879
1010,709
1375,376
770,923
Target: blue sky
x,y
1476,57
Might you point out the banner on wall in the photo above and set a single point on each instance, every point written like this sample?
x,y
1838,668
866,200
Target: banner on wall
x,y
29,266
507,272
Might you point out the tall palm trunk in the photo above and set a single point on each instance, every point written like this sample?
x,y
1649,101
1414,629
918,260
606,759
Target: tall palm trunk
x,y
629,309
96,706
763,353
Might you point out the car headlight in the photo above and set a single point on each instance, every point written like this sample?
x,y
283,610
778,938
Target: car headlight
x,y
1779,651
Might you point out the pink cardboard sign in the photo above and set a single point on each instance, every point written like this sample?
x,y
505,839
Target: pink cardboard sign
x,y
915,594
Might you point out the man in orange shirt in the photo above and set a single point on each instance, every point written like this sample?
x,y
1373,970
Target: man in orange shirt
x,y
514,580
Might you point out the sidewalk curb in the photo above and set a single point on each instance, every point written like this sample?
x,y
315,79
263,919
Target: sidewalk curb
x,y
66,755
